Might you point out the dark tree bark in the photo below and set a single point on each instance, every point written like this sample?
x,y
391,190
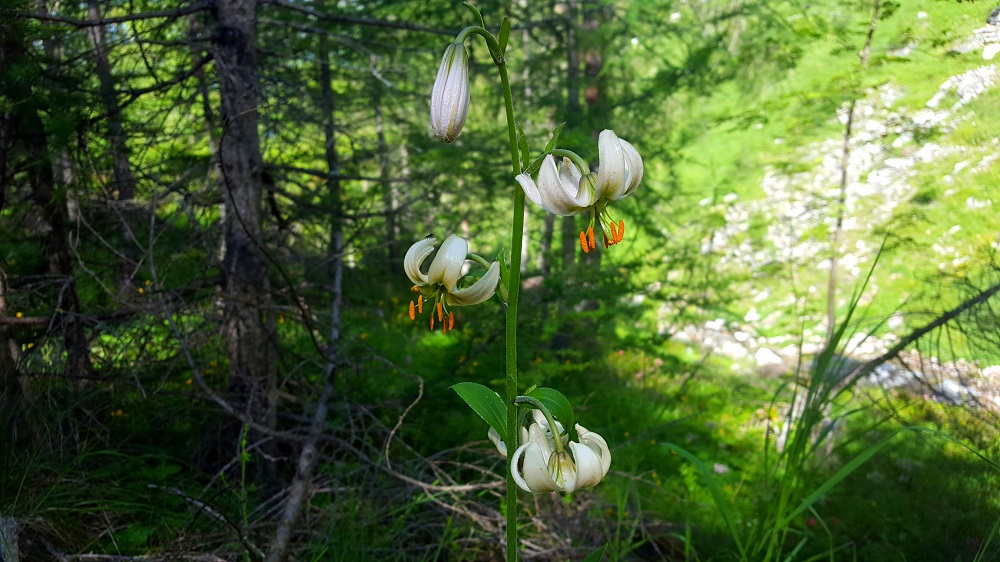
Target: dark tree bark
x,y
388,189
247,321
52,206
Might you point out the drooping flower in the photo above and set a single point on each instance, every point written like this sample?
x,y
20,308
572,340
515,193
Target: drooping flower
x,y
539,465
442,285
565,190
450,97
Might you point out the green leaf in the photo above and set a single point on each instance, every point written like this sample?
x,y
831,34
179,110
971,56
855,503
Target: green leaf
x,y
557,404
596,555
522,145
486,403
555,137
504,34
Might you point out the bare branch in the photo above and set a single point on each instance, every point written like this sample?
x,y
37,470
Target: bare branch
x,y
359,21
78,23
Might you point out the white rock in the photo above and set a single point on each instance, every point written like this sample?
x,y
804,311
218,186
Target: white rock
x,y
990,51
765,357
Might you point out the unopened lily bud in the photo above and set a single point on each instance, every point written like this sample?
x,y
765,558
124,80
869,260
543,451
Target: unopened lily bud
x,y
450,98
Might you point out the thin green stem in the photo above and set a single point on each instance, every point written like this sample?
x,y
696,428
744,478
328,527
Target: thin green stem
x,y
513,290
553,428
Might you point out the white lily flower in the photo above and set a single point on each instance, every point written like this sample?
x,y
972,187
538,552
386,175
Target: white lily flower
x,y
450,97
538,467
441,284
564,190
539,419
559,189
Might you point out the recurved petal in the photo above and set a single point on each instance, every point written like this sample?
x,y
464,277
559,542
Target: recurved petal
x,y
633,166
498,442
588,467
447,265
479,291
530,188
415,257
597,444
611,174
529,467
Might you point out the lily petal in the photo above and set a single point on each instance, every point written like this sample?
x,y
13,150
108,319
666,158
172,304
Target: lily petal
x,y
530,469
494,436
480,291
447,265
598,445
633,167
415,257
563,471
588,467
612,172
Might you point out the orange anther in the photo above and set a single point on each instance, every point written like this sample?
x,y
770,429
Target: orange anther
x,y
621,231
414,289
420,304
583,243
590,237
451,320
440,312
432,321
412,315
614,231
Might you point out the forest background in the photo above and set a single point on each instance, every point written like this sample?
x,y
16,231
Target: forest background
x,y
206,352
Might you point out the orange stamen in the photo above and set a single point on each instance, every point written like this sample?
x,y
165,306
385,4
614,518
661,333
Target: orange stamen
x,y
621,231
451,320
420,304
440,312
583,243
432,321
412,315
590,237
614,232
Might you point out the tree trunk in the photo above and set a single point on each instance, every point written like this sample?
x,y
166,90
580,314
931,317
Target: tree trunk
x,y
247,321
53,211
8,540
388,189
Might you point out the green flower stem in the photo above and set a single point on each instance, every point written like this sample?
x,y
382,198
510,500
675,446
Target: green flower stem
x,y
513,283
553,428
478,259
513,290
574,157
